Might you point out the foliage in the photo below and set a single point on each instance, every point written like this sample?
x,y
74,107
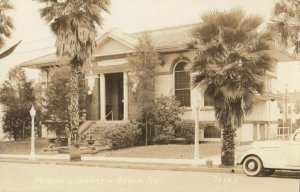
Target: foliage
x,y
74,23
185,129
297,106
230,67
17,96
57,101
285,24
120,136
144,62
165,117
6,24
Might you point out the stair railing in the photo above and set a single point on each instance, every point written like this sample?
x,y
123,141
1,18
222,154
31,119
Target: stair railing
x,y
112,115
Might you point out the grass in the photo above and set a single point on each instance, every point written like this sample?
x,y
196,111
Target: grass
x,y
165,151
151,151
22,147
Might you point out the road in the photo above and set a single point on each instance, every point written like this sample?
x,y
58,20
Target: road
x,y
48,178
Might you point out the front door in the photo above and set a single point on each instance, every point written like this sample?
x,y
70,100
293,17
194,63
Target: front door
x,y
114,96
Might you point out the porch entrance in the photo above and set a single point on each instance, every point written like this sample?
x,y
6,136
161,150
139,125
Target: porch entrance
x,y
114,96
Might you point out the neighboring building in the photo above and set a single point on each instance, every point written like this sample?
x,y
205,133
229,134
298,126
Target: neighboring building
x,y
289,118
110,77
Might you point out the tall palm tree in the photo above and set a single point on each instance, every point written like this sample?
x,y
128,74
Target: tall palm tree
x,y
74,23
285,23
230,68
6,26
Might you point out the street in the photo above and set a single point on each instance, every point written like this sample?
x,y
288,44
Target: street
x,y
45,177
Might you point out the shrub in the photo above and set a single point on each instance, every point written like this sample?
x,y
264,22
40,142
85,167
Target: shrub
x,y
120,136
185,129
166,116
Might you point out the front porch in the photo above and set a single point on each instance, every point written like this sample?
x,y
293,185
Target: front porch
x,y
107,98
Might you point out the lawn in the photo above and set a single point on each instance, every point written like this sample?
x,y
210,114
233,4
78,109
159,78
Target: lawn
x,y
165,151
22,147
151,151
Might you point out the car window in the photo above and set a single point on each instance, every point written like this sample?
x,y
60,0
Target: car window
x,y
297,137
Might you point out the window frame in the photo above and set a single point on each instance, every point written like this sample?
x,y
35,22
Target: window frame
x,y
174,82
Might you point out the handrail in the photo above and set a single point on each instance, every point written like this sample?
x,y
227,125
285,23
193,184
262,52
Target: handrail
x,y
112,115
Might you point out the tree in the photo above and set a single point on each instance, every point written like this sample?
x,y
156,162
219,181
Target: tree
x,y
17,95
230,68
144,62
6,26
74,23
285,23
297,106
57,101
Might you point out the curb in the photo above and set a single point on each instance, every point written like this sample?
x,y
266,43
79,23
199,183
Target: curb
x,y
126,165
148,166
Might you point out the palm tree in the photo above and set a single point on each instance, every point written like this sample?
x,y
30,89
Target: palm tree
x,y
74,23
6,26
285,23
230,68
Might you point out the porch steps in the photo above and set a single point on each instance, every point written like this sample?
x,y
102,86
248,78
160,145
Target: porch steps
x,y
84,127
90,126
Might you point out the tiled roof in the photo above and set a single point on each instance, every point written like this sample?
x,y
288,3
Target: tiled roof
x,y
169,37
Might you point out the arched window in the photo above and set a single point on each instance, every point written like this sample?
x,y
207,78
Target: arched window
x,y
212,132
182,83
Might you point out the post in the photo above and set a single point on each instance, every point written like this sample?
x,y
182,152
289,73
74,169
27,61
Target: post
x,y
125,99
102,98
32,152
196,150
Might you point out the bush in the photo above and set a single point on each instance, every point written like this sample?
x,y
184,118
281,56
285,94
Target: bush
x,y
165,136
185,129
166,116
120,136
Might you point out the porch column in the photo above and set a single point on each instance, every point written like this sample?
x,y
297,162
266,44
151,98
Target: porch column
x,y
125,99
102,98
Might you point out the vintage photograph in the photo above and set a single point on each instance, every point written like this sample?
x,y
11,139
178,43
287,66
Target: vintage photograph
x,y
149,95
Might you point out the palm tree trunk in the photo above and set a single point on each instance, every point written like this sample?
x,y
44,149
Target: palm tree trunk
x,y
228,146
74,103
75,154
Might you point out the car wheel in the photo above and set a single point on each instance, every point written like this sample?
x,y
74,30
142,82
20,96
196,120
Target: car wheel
x,y
252,166
267,172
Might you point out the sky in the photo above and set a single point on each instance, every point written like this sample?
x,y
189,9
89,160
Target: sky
x,y
127,16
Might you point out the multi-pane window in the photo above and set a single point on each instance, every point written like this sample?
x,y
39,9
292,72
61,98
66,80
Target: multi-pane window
x,y
182,84
212,132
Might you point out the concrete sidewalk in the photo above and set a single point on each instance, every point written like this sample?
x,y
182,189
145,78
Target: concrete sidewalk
x,y
128,163
135,163
215,159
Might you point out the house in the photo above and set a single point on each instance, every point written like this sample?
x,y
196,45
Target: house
x,y
109,76
289,117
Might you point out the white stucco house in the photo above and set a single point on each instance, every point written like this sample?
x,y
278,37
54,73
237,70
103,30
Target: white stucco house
x,y
109,76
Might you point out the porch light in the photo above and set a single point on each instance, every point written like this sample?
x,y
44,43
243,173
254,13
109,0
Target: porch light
x,y
91,84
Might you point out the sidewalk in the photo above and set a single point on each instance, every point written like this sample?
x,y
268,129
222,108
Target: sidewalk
x,y
135,163
130,163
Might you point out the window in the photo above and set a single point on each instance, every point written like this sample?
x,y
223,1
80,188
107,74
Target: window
x,y
182,83
212,132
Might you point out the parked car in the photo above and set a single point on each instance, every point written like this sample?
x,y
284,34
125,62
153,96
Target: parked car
x,y
264,157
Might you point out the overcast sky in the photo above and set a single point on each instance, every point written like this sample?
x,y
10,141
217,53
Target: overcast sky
x,y
126,15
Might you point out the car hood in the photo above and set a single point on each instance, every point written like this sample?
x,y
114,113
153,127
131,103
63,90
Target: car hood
x,y
263,144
